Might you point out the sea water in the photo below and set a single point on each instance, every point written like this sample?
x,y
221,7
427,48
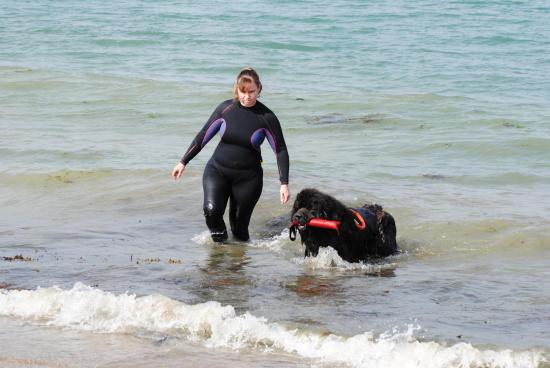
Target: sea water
x,y
437,111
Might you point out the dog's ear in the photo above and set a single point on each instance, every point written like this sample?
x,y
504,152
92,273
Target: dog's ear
x,y
390,233
297,203
301,200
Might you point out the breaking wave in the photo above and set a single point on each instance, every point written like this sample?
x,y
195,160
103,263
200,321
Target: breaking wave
x,y
216,326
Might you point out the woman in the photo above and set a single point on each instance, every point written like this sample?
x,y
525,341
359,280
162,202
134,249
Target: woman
x,y
235,169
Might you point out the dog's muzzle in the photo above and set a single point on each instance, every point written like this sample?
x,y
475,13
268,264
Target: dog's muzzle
x,y
302,219
298,221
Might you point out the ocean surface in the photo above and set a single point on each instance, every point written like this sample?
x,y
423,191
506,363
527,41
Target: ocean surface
x,y
439,111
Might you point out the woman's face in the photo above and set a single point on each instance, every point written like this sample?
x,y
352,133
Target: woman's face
x,y
249,94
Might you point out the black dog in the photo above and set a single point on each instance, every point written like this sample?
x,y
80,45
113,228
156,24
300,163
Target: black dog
x,y
357,235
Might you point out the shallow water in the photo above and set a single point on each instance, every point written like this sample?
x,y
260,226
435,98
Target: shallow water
x,y
438,112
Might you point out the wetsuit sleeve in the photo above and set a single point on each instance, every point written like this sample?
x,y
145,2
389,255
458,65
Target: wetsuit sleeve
x,y
279,146
208,131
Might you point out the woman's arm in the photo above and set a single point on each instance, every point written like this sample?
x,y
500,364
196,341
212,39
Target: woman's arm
x,y
212,126
284,193
278,144
178,170
208,131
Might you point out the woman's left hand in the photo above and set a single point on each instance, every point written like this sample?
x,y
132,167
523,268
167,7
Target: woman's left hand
x,y
285,193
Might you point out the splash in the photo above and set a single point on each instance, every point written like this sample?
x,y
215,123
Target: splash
x,y
328,258
216,326
202,238
275,243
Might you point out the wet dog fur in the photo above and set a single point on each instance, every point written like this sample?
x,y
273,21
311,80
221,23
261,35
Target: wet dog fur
x,y
378,239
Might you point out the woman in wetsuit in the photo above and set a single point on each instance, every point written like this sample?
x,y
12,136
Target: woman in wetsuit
x,y
234,171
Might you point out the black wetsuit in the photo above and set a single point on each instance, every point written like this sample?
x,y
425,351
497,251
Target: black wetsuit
x,y
234,172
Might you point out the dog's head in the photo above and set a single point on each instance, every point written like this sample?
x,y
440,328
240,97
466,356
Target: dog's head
x,y
309,204
302,216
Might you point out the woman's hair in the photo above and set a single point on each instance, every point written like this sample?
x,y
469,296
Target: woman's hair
x,y
246,77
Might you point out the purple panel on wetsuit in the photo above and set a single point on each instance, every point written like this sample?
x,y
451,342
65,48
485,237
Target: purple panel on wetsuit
x,y
217,125
257,138
271,140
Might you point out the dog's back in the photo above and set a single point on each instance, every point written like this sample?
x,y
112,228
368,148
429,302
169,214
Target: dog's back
x,y
382,224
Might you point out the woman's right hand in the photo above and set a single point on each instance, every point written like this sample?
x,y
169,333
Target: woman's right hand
x,y
178,170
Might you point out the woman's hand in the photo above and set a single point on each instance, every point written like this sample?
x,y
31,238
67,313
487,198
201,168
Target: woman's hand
x,y
285,193
178,170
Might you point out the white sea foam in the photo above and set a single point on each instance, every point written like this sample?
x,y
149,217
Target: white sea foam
x,y
328,258
202,238
91,309
275,243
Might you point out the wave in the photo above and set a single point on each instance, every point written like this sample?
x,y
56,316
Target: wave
x,y
327,259
508,178
113,42
61,177
500,238
272,45
77,156
336,118
500,40
91,190
90,309
482,149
